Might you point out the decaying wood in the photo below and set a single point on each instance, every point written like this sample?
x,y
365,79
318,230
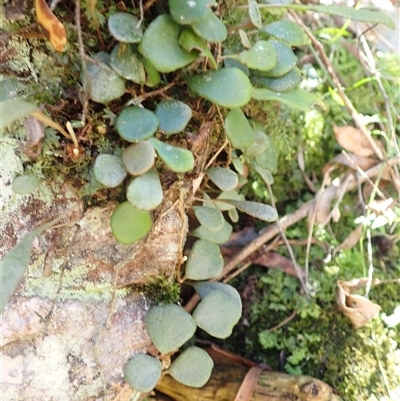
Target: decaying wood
x,y
272,386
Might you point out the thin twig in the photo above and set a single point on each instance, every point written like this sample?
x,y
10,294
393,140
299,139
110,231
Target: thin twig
x,y
287,320
141,98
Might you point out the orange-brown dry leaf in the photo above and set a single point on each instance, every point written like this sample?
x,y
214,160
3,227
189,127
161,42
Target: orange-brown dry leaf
x,y
351,240
353,140
50,23
357,308
322,207
351,160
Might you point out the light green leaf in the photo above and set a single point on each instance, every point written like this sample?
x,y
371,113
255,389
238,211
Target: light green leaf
x,y
269,158
210,218
218,237
205,287
125,27
259,146
255,209
145,192
288,31
169,327
139,157
161,47
190,41
204,261
192,368
286,82
142,372
126,62
129,224
233,215
224,178
187,12
25,184
153,77
286,59
15,262
262,56
136,123
227,195
210,28
103,84
109,170
254,14
177,159
265,174
9,88
238,129
217,314
14,109
244,39
236,162
173,115
228,87
297,98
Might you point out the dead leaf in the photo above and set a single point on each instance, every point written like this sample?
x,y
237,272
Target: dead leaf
x,y
357,308
50,23
350,241
353,140
351,160
322,208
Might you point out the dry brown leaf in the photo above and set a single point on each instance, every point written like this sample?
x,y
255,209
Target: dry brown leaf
x,y
351,160
351,240
322,208
357,308
50,23
354,141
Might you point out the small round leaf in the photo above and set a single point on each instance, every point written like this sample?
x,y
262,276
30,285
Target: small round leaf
x,y
142,372
109,170
238,129
139,157
186,12
224,178
145,192
262,56
169,327
177,159
129,224
218,237
204,261
126,62
210,218
125,27
286,59
210,28
193,367
286,82
288,31
25,184
173,116
136,123
204,287
161,47
217,314
228,87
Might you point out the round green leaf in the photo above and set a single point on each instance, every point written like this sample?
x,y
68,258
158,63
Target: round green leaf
x,y
161,47
145,192
125,27
177,159
210,28
173,116
217,314
259,146
210,218
186,12
265,174
25,184
109,170
288,31
286,59
238,129
169,327
136,123
286,82
101,82
203,288
228,87
218,237
224,178
139,157
126,61
142,372
204,261
255,209
193,367
262,56
129,224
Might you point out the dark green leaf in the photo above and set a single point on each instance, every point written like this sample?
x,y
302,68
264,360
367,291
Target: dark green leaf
x,y
173,116
288,31
210,28
126,62
286,82
187,12
125,27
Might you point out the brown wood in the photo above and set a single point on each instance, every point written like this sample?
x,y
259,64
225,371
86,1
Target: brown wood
x,y
272,386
